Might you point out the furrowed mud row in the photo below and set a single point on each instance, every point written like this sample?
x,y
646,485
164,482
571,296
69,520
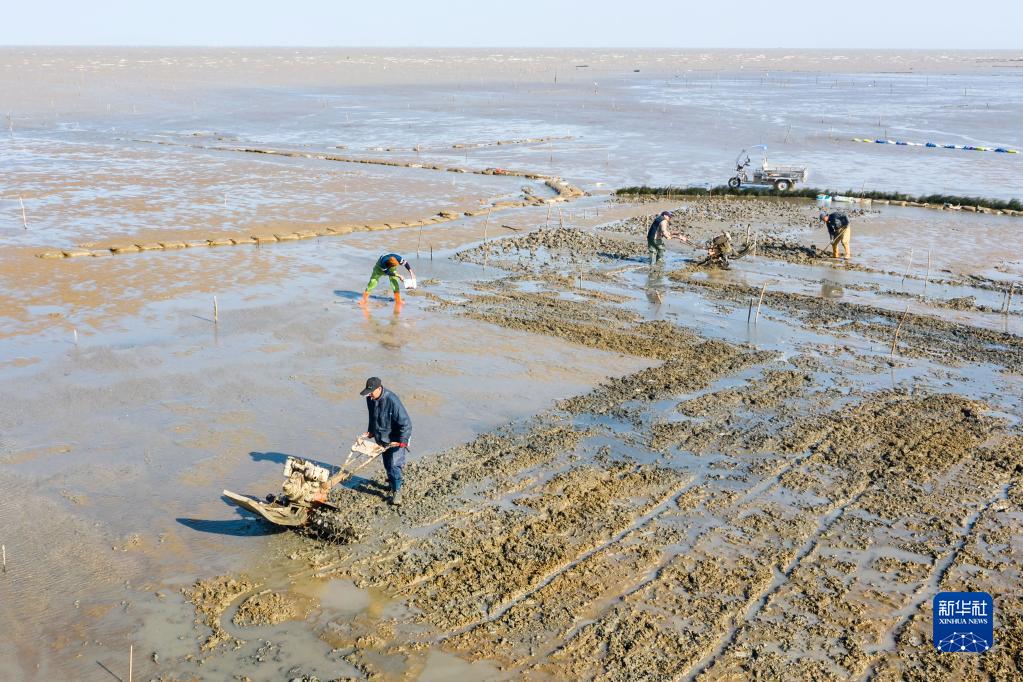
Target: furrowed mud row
x,y
732,511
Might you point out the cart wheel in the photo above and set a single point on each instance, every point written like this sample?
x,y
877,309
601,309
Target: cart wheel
x,y
733,182
782,185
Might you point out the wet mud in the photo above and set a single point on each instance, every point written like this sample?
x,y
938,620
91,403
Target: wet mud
x,y
268,608
920,335
211,597
742,506
730,512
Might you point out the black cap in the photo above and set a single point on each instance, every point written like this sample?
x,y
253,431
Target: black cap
x,y
668,214
372,384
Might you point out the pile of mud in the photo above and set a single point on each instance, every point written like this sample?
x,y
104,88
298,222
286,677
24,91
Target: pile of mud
x,y
569,244
267,608
714,213
211,597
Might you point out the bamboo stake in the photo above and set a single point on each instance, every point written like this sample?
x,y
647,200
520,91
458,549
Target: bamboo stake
x,y
548,226
762,290
895,339
131,656
420,242
431,252
215,312
909,266
928,275
749,315
561,219
24,218
4,548
1008,302
485,249
75,334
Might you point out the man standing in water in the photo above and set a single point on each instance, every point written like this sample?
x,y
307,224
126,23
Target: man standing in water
x,y
838,229
391,428
388,264
656,235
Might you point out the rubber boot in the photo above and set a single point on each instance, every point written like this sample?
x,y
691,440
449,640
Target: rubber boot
x,y
365,298
397,298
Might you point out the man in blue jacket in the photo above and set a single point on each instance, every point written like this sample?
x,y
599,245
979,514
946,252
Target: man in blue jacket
x,y
391,428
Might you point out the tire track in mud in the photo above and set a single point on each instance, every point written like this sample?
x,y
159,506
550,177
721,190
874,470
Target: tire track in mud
x,y
642,520
495,645
757,605
937,575
803,589
988,559
574,514
655,571
759,550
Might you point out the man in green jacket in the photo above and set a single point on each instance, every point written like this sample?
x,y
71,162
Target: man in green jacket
x,y
388,265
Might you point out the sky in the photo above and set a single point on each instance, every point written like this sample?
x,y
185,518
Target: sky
x,y
869,24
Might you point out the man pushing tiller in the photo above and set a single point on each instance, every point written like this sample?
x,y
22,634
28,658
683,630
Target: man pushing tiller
x,y
391,428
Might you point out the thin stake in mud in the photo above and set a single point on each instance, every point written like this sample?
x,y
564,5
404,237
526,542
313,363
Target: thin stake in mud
x,y
908,266
548,225
24,218
74,333
4,549
895,339
749,315
561,219
131,656
1008,301
762,290
420,242
485,249
928,275
215,312
431,252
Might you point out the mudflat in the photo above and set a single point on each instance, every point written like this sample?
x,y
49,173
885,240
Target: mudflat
x,y
618,472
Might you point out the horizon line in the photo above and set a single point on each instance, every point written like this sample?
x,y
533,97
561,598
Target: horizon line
x,y
503,47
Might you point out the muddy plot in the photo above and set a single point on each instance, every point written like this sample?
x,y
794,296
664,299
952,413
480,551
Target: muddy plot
x,y
726,513
920,335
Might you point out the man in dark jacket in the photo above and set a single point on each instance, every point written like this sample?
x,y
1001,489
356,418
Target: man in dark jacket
x,y
839,231
656,235
391,428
